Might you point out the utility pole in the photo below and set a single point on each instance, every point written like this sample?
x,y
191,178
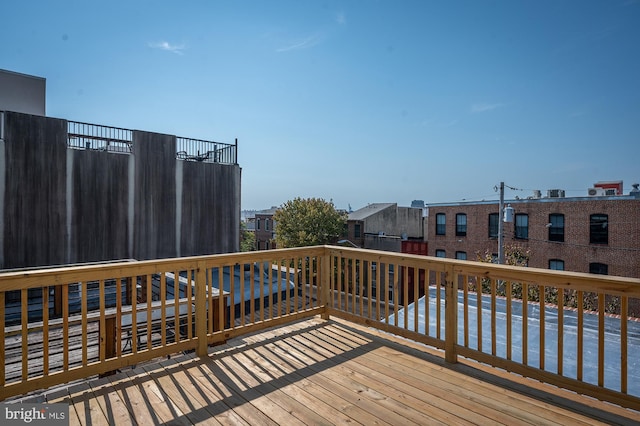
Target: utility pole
x,y
501,226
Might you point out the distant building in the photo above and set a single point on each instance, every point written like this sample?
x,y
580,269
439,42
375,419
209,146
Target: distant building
x,y
265,229
597,233
383,226
22,93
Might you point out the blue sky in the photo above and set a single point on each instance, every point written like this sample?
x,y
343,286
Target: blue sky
x,y
356,101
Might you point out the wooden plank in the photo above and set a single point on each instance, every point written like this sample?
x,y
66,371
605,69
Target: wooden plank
x,y
351,401
391,406
193,411
229,404
509,408
113,407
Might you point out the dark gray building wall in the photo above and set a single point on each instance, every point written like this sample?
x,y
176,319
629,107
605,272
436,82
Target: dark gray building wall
x,y
155,195
63,205
34,209
99,205
210,207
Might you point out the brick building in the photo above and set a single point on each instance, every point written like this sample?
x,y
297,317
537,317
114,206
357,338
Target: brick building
x,y
264,228
597,234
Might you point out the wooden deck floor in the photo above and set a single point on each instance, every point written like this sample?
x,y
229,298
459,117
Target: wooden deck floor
x,y
317,372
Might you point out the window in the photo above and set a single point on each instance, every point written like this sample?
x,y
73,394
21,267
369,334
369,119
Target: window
x,y
493,225
356,230
522,226
598,268
257,224
556,227
441,253
461,255
461,225
441,224
556,264
599,229
266,224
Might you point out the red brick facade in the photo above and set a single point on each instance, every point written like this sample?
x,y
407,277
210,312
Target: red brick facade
x,y
621,254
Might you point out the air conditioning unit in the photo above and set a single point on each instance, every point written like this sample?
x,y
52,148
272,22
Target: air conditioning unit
x,y
596,192
611,191
555,193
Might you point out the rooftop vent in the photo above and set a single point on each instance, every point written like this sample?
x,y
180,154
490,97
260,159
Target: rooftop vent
x,y
555,193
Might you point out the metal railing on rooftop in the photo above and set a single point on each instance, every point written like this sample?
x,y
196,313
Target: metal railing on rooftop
x,y
115,139
206,151
97,137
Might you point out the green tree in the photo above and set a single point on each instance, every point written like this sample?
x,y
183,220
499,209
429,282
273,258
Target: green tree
x,y
303,222
247,238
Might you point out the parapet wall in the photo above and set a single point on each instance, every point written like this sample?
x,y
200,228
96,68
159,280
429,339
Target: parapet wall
x,y
62,204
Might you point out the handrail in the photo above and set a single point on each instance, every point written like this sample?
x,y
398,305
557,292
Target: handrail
x,y
490,313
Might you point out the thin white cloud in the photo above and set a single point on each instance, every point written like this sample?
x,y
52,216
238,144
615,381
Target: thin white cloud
x,y
477,108
302,44
165,45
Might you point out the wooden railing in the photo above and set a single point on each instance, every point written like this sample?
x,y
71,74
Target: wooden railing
x,y
496,314
501,315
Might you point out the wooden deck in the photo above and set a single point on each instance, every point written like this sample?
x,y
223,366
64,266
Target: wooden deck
x,y
324,372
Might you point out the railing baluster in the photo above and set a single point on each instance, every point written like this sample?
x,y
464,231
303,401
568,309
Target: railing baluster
x,y
222,306
601,332
24,313
134,313
494,325
580,337
252,309
525,323
479,311
624,312
271,303
416,294
296,280
65,326
45,331
396,277
465,303
405,295
560,297
241,294
163,309
541,298
509,302
83,289
2,338
354,284
261,296
149,297
118,318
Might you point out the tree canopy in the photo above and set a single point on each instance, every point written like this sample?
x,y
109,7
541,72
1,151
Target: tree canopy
x,y
305,222
247,239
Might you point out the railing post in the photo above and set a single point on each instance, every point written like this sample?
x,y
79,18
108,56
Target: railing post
x,y
201,309
325,282
450,315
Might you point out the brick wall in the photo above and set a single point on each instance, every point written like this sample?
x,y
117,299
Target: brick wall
x,y
621,254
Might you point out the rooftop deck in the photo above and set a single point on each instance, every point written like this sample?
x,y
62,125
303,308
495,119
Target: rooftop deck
x,y
324,372
352,342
